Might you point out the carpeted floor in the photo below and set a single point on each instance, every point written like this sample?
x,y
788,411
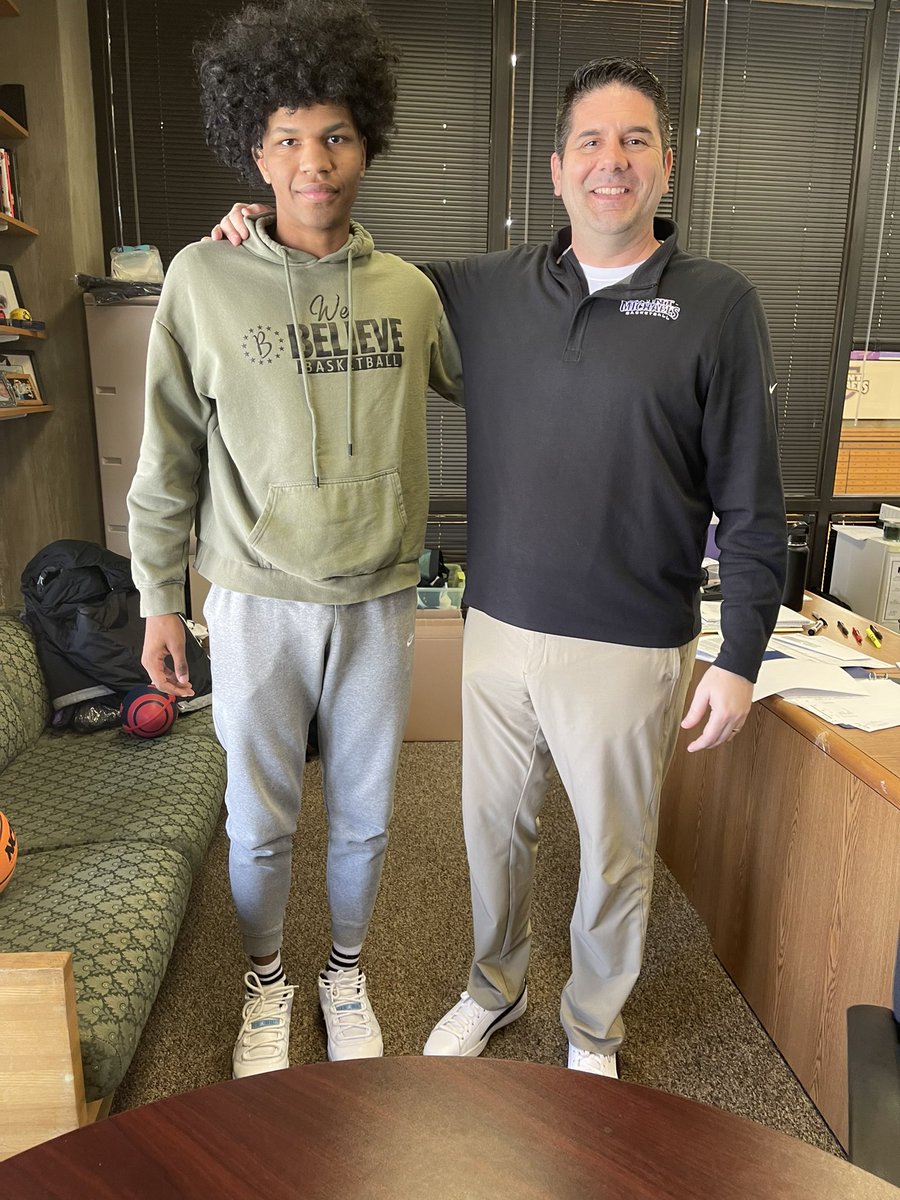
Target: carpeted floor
x,y
688,1028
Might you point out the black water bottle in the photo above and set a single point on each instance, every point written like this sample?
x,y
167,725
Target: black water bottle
x,y
797,565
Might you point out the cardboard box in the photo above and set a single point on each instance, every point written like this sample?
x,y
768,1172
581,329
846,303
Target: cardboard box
x,y
435,711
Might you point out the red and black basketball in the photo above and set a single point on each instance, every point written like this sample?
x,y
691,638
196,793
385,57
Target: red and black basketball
x,y
9,852
147,712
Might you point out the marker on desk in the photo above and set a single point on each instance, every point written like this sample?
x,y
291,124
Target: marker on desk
x,y
858,637
821,623
873,638
843,628
877,632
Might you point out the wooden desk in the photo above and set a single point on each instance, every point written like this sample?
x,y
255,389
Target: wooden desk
x,y
787,842
430,1129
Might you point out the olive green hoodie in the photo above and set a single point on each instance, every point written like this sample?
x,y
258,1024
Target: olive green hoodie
x,y
285,416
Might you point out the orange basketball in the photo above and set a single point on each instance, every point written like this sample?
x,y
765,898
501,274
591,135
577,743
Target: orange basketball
x,y
9,852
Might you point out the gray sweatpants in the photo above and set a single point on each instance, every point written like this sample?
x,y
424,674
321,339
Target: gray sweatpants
x,y
609,716
275,665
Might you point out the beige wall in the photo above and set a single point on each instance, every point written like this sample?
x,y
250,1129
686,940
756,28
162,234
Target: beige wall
x,y
48,464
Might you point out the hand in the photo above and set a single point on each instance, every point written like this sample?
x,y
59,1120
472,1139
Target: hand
x,y
233,226
164,636
728,698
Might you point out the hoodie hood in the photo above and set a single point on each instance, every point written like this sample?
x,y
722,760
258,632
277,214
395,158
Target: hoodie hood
x,y
260,242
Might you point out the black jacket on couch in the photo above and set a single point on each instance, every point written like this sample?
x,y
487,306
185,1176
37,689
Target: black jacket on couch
x,y
84,611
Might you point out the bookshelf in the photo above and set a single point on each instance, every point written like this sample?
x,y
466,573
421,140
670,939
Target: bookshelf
x,y
11,133
13,414
15,227
9,333
10,129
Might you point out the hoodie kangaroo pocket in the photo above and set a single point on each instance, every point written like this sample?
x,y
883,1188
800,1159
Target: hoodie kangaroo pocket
x,y
342,527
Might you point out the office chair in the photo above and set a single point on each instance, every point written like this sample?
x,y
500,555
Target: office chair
x,y
873,1082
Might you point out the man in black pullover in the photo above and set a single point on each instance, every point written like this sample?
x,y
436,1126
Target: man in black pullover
x,y
618,391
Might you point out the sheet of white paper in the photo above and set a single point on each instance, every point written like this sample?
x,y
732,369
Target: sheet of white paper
x,y
783,674
878,708
822,649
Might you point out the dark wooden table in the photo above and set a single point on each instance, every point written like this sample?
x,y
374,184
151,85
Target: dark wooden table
x,y
431,1129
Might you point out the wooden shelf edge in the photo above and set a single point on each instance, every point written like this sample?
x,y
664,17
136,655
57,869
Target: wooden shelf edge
x,y
10,129
16,227
13,331
13,414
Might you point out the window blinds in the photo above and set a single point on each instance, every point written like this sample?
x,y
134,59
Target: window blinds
x,y
772,187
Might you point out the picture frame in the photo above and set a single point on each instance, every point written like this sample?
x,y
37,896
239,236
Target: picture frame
x,y
23,387
20,362
7,397
10,296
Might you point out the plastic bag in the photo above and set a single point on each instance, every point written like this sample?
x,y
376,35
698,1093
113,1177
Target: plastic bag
x,y
139,264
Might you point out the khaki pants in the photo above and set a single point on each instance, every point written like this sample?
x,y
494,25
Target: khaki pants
x,y
608,716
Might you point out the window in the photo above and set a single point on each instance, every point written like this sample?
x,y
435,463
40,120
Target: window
x,y
773,174
553,37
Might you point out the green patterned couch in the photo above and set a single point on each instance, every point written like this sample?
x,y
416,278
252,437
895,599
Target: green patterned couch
x,y
110,830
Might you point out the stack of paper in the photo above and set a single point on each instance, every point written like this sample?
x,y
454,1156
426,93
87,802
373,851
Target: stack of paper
x,y
876,707
812,672
787,620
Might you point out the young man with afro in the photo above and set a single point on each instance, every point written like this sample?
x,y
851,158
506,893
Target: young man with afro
x,y
285,419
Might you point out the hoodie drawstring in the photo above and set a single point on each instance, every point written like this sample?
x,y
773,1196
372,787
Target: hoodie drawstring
x,y
305,373
350,351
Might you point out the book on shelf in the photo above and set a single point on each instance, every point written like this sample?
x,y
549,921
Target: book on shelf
x,y
6,196
9,187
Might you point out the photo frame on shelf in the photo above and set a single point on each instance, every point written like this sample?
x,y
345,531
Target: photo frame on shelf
x,y
21,362
7,397
23,387
10,296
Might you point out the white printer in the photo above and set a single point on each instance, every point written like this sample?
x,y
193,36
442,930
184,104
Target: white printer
x,y
865,572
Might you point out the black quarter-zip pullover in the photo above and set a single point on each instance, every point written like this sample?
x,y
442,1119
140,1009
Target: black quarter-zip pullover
x,y
603,431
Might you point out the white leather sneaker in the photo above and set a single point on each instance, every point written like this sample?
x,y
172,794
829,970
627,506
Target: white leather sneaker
x,y
353,1029
594,1064
262,1044
466,1029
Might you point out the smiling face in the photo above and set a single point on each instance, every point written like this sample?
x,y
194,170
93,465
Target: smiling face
x,y
314,159
612,174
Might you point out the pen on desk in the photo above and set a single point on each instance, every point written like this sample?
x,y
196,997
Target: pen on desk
x,y
877,632
820,624
873,638
843,628
858,637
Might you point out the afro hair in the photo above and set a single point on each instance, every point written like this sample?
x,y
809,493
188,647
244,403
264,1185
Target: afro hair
x,y
294,54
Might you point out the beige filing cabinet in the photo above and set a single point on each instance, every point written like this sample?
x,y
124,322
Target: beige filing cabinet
x,y
117,341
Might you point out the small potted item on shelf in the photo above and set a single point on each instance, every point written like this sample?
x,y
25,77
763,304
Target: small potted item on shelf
x,y
21,318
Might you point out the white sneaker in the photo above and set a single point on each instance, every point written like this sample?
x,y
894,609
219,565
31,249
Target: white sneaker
x,y
594,1064
262,1044
353,1029
466,1029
